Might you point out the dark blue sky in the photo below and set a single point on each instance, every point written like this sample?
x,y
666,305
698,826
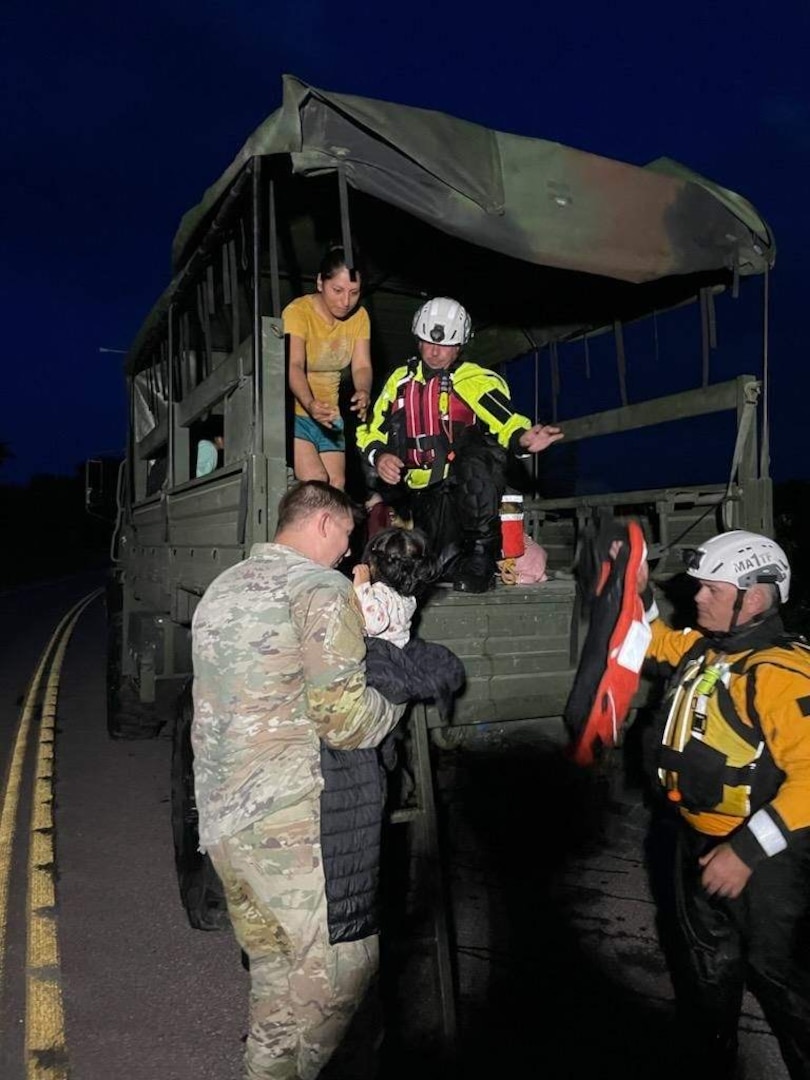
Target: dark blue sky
x,y
115,119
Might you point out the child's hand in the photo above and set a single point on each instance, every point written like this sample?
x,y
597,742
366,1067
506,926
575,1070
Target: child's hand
x,y
643,577
361,575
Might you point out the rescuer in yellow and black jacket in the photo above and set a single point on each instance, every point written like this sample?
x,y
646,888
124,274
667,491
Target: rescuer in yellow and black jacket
x,y
734,761
442,427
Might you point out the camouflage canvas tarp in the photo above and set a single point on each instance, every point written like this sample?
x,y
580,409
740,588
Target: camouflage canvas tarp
x,y
528,198
575,242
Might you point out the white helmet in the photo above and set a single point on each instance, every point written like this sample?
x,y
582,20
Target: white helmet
x,y
442,321
741,558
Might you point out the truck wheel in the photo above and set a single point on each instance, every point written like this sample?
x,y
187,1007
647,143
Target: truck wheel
x,y
200,888
127,716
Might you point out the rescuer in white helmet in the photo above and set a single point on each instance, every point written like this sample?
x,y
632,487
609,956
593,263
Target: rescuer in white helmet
x,y
443,426
741,559
734,764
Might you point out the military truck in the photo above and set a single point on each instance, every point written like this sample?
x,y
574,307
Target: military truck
x,y
572,265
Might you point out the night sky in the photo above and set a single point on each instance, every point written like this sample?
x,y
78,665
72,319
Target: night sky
x,y
116,118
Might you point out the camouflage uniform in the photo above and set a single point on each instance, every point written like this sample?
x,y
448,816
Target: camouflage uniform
x,y
278,665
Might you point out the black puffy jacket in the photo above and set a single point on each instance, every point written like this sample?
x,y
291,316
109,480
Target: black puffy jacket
x,y
353,796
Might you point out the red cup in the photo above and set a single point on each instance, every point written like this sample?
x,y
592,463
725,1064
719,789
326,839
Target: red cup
x,y
512,542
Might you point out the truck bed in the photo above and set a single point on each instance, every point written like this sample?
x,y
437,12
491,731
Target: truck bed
x,y
515,642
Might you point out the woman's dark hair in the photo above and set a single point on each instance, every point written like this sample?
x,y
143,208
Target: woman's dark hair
x,y
401,559
334,260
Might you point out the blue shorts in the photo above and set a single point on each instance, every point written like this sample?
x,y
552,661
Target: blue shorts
x,y
325,440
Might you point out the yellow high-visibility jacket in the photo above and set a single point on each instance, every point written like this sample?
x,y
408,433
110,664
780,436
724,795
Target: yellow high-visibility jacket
x,y
482,391
735,753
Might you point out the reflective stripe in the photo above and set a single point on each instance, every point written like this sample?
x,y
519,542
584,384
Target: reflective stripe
x,y
499,405
767,833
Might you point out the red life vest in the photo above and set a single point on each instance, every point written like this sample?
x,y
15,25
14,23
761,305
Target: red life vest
x,y
609,670
433,413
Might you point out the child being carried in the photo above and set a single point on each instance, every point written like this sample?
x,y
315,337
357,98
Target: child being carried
x,y
396,572
396,568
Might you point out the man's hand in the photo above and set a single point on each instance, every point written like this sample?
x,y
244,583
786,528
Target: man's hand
x,y
323,413
539,437
389,467
361,399
724,872
361,575
643,578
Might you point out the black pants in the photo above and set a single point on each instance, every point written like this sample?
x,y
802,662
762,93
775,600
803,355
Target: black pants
x,y
463,509
762,939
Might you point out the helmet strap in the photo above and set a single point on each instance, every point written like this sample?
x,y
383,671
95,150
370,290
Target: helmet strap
x,y
735,612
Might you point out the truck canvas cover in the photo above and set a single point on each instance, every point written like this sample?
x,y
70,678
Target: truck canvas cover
x,y
529,198
583,239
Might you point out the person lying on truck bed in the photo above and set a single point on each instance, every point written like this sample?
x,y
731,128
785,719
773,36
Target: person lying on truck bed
x,y
442,426
327,333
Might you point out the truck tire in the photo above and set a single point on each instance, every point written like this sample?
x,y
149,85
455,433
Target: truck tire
x,y
200,888
127,716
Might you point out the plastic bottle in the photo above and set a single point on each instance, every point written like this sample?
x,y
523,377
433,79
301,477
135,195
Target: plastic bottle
x,y
511,513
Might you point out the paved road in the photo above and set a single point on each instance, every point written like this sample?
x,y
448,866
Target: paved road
x,y
558,936
146,997
558,957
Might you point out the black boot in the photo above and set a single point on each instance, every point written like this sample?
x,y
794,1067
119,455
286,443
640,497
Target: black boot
x,y
475,570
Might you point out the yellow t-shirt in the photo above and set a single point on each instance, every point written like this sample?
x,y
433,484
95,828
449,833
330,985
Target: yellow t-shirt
x,y
329,348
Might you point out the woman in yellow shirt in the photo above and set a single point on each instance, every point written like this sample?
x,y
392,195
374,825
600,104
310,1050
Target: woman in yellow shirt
x,y
328,332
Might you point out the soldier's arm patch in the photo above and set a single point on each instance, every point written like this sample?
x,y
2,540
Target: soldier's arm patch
x,y
354,603
344,632
345,713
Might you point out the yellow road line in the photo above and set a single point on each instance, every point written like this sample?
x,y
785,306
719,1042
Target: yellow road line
x,y
11,795
45,1042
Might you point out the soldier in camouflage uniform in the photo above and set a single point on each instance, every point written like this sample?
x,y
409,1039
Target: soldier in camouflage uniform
x,y
278,654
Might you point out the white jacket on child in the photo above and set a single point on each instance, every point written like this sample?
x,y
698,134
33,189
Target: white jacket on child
x,y
387,614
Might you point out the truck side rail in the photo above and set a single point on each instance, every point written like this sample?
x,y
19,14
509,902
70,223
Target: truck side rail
x,y
672,519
